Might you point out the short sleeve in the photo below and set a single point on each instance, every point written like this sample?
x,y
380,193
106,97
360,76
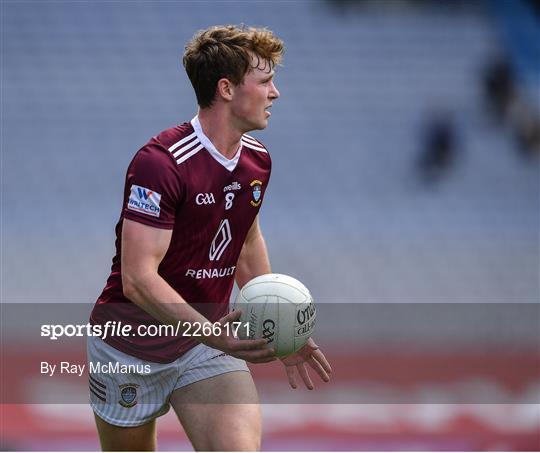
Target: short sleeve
x,y
153,191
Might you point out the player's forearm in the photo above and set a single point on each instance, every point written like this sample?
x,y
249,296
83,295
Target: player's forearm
x,y
154,295
253,261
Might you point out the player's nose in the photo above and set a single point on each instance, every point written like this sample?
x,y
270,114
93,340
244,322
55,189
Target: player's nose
x,y
274,93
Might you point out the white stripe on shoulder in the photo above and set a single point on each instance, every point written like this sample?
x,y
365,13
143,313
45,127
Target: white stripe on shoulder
x,y
250,139
185,148
256,148
181,142
188,155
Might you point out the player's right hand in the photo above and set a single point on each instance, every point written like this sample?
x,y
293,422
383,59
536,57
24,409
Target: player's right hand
x,y
254,351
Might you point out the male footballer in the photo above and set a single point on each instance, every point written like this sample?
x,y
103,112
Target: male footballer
x,y
188,229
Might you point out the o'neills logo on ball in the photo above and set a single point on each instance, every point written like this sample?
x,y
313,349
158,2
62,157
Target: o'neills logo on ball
x,y
302,316
306,328
256,192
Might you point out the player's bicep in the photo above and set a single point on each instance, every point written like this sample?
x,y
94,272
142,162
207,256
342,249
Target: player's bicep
x,y
143,248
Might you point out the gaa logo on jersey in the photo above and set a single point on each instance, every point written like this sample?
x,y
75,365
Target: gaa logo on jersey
x,y
256,192
128,395
205,198
144,200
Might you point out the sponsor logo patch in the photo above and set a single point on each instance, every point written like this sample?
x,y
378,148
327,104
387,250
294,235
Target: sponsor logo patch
x,y
144,200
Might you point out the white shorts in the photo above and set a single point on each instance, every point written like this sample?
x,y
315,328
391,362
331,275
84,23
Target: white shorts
x,y
138,391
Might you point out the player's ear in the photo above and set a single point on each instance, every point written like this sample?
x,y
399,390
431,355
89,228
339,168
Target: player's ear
x,y
225,89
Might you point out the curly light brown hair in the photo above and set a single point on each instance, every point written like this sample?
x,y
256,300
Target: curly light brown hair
x,y
226,52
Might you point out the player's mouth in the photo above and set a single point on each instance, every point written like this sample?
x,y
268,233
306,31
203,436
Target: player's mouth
x,y
266,110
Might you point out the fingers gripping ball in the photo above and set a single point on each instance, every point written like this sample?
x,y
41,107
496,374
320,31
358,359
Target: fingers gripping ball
x,y
279,309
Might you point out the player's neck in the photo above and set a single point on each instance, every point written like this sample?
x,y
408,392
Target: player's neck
x,y
217,127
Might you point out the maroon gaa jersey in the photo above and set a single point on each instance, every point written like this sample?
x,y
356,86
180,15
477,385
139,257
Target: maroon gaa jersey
x,y
179,181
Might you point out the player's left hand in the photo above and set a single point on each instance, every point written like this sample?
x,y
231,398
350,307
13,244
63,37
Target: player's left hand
x,y
313,356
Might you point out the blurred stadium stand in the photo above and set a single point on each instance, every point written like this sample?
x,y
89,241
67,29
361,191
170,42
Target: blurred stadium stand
x,y
85,84
520,24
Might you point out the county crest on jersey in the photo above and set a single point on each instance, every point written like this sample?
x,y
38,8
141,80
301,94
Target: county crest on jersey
x,y
181,182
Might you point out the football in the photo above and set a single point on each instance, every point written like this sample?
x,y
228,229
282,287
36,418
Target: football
x,y
279,309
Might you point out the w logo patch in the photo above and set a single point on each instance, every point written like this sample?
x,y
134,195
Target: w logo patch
x,y
143,193
144,200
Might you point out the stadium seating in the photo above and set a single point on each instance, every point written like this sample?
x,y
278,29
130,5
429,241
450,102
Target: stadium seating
x,y
86,85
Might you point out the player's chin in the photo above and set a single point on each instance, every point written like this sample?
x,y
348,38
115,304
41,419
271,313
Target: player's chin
x,y
258,123
263,124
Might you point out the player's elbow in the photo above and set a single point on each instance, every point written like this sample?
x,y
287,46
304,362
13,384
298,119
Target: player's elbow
x,y
129,286
129,291
138,283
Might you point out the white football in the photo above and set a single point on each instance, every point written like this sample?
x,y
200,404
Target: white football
x,y
279,309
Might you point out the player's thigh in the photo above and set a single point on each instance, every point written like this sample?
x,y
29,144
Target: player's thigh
x,y
220,413
118,438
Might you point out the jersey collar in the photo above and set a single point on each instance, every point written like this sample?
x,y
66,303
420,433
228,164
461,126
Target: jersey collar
x,y
229,164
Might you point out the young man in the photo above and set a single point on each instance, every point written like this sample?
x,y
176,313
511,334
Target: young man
x,y
189,227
